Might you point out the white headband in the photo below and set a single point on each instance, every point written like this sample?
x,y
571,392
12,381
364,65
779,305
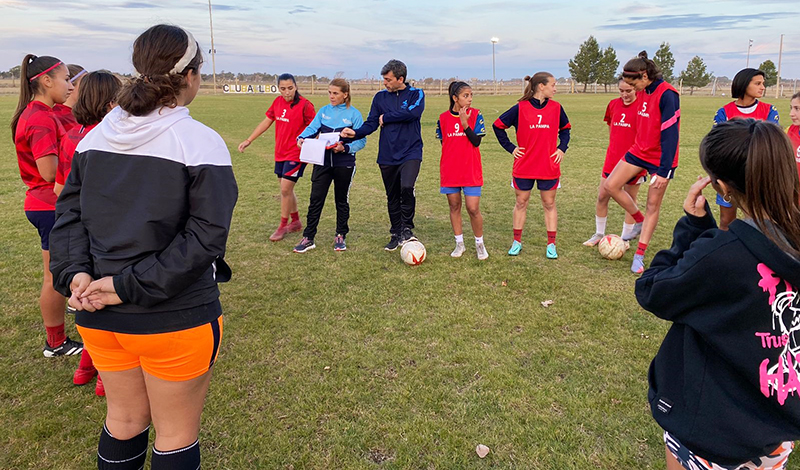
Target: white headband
x,y
191,51
79,75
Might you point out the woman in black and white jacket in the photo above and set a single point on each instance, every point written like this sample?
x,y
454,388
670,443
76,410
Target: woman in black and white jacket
x,y
724,384
141,229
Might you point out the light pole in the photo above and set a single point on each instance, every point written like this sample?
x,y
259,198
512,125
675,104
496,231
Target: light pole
x,y
494,40
213,51
749,45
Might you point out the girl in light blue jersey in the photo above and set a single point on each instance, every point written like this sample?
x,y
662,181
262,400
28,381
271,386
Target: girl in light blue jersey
x,y
338,167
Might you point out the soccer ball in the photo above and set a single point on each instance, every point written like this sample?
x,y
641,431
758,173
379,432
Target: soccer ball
x,y
413,253
612,247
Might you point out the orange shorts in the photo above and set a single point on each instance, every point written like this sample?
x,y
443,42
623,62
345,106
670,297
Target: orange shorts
x,y
174,356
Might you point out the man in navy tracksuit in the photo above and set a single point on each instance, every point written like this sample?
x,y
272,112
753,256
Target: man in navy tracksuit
x,y
397,111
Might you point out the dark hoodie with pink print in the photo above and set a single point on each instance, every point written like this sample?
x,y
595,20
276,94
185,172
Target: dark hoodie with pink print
x,y
726,379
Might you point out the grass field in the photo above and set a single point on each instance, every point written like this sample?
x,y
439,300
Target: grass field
x,y
354,360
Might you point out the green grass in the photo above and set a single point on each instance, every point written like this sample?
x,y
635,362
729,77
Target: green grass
x,y
424,363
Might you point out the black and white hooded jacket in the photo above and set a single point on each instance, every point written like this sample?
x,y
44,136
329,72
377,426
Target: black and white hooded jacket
x,y
149,201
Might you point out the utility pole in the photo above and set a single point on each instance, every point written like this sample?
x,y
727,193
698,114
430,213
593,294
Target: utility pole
x,y
749,45
778,83
213,51
494,40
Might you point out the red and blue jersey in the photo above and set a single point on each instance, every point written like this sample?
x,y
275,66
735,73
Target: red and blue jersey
x,y
794,136
67,149
64,115
460,164
289,123
37,135
658,126
758,110
541,129
621,120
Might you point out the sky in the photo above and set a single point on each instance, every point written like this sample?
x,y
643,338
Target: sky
x,y
439,39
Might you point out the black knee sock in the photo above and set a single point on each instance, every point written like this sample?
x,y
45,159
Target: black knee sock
x,y
114,454
187,458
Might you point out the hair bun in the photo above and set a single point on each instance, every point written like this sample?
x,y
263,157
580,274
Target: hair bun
x,y
32,59
527,78
642,55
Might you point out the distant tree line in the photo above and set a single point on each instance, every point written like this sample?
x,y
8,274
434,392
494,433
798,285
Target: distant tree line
x,y
595,65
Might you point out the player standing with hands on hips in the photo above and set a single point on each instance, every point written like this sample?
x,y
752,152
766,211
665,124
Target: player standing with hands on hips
x,y
543,133
396,111
140,233
655,149
723,385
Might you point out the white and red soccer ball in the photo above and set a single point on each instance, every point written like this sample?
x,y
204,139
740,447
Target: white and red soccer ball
x,y
413,253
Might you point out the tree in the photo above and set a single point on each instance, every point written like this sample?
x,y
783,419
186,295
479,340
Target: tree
x,y
695,75
607,68
665,61
768,67
583,67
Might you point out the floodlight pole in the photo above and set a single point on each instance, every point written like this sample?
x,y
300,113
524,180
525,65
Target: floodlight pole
x,y
494,40
749,45
780,57
213,51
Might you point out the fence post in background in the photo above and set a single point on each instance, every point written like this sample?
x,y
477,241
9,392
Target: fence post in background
x,y
714,87
440,86
681,86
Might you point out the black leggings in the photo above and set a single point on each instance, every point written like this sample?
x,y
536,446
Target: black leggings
x,y
321,178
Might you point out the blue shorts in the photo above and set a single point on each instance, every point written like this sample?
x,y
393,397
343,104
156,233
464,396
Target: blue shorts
x,y
525,184
651,169
290,170
468,190
721,202
43,221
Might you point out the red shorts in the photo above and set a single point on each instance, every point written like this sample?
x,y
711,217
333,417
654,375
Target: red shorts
x,y
175,356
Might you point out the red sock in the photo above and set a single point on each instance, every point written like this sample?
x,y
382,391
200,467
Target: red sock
x,y
86,360
518,235
295,216
638,217
284,221
641,249
55,335
551,237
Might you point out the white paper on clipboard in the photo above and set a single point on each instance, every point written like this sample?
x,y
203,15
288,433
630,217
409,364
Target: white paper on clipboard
x,y
330,137
313,151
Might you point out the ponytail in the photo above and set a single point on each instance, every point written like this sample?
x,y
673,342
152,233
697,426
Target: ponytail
x,y
539,78
454,89
31,69
156,54
636,67
755,159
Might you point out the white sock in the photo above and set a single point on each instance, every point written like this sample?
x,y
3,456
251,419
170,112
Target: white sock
x,y
626,229
478,240
600,224
460,238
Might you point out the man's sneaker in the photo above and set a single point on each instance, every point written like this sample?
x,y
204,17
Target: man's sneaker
x,y
637,267
67,348
480,248
83,376
551,252
99,389
294,226
635,232
279,233
406,236
304,245
394,242
516,247
594,240
338,243
459,250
